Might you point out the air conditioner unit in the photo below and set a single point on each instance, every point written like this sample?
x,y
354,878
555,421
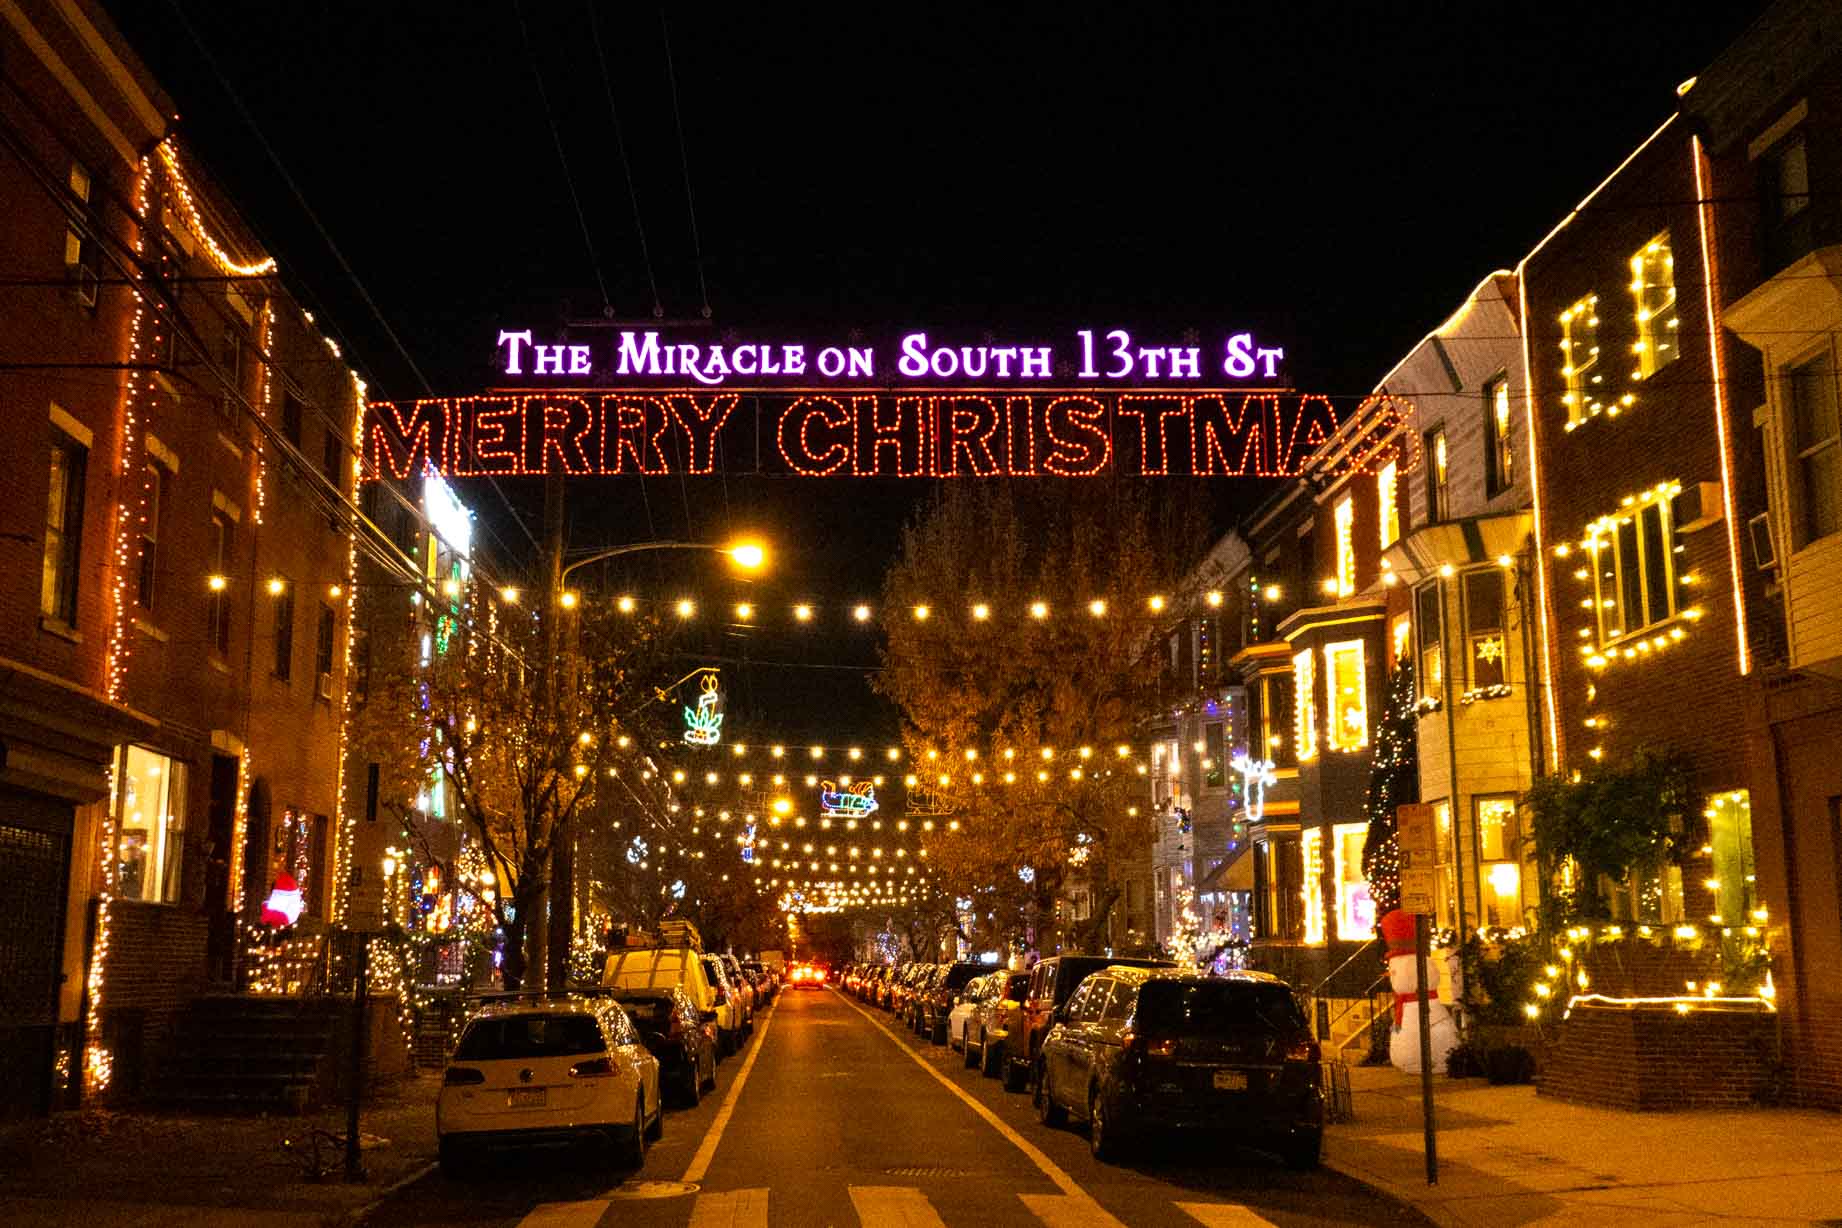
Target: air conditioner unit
x,y
326,686
1764,553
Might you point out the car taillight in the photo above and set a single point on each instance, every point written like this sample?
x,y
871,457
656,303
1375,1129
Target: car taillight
x,y
594,1068
1138,1042
819,975
1304,1050
462,1076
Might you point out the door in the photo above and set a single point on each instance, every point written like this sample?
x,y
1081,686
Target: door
x,y
1083,1034
35,856
220,909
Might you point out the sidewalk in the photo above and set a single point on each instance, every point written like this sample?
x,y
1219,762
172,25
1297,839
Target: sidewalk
x,y
1508,1157
141,1169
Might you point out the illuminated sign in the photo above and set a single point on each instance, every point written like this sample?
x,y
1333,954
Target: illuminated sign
x,y
1036,430
1111,356
703,725
449,517
853,801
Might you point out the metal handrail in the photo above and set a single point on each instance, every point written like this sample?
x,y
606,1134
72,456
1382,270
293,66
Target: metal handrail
x,y
1317,990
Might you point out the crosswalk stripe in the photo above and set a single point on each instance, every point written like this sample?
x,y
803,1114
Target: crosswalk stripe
x,y
735,1209
1063,1211
1223,1215
894,1206
566,1214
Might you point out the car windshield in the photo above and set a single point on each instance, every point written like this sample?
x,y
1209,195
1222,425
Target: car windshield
x,y
1217,1007
529,1036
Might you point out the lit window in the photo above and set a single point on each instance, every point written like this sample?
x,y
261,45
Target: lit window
x,y
1401,636
1486,648
1347,726
217,607
1355,907
1312,890
1731,862
1810,389
1653,290
1304,706
1634,568
80,251
1580,360
1431,664
150,837
1499,861
1388,507
1499,456
63,528
1436,500
1346,546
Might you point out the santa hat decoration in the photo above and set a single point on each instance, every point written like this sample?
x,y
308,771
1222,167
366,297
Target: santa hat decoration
x,y
283,907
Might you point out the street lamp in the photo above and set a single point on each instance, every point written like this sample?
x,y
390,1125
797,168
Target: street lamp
x,y
745,554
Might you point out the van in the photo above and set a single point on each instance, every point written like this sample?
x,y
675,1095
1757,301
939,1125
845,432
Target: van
x,y
663,967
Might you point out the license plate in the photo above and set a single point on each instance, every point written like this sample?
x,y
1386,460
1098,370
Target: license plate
x,y
533,1097
1231,1080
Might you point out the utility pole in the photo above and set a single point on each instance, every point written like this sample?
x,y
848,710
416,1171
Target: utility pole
x,y
550,941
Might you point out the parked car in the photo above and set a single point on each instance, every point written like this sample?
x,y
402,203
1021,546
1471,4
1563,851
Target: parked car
x,y
1140,1050
742,987
731,1022
918,989
965,1004
661,967
764,984
1051,982
936,1002
903,987
546,1072
997,1017
674,1031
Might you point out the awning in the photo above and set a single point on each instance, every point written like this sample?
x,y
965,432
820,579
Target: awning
x,y
1235,874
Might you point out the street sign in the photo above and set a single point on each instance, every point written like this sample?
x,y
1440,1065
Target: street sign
x,y
1416,836
1419,890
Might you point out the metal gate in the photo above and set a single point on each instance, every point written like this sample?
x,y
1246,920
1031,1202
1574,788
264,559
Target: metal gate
x,y
34,867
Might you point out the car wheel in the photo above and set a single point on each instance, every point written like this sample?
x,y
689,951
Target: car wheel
x,y
1048,1112
1102,1139
1304,1152
453,1159
656,1130
630,1147
691,1090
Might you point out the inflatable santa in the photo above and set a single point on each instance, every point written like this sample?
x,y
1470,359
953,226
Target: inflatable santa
x,y
1438,998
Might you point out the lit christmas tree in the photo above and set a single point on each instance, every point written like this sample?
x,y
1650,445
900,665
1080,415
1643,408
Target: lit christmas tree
x,y
1394,779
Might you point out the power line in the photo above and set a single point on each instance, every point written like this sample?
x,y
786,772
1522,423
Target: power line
x,y
620,144
690,204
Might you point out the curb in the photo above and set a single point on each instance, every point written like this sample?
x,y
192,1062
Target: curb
x,y
1390,1194
359,1214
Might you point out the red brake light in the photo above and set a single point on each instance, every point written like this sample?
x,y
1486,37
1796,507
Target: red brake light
x,y
461,1076
594,1068
819,975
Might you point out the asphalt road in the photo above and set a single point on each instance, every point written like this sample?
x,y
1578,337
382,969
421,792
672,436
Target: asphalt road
x,y
836,1115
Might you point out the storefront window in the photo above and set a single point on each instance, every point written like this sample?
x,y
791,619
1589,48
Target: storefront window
x,y
1355,907
152,829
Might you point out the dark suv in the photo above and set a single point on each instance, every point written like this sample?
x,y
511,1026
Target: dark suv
x,y
937,998
673,1032
1139,1050
1051,981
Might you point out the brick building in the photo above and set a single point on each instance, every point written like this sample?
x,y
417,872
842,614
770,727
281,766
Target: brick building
x,y
172,590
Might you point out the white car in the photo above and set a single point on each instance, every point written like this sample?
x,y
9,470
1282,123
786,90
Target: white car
x,y
965,1006
548,1072
731,1011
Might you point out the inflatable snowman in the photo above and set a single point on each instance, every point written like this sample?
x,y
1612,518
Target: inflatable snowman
x,y
1438,999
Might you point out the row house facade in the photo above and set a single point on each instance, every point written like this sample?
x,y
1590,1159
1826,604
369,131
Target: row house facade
x,y
173,579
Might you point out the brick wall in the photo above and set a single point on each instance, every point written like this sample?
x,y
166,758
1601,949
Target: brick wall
x,y
1657,1059
156,964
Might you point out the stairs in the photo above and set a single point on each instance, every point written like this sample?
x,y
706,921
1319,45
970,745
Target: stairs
x,y
253,1053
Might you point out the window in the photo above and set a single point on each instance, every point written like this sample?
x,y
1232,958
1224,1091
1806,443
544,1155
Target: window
x,y
1653,289
150,840
1214,755
79,249
284,631
63,528
1275,718
169,271
1499,862
1734,882
230,359
293,418
1346,725
1499,456
155,480
1311,891
1346,546
217,610
1400,638
1436,501
323,649
359,646
1355,907
1486,650
332,459
1633,568
1387,484
1304,706
1580,360
1810,390
1785,212
1431,665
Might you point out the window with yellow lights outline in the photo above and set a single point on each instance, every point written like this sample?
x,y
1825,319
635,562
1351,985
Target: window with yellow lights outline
x,y
1653,291
1304,706
1347,726
1634,567
1580,360
1346,546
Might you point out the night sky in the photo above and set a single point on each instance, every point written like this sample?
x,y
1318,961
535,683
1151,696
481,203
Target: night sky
x,y
1336,177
